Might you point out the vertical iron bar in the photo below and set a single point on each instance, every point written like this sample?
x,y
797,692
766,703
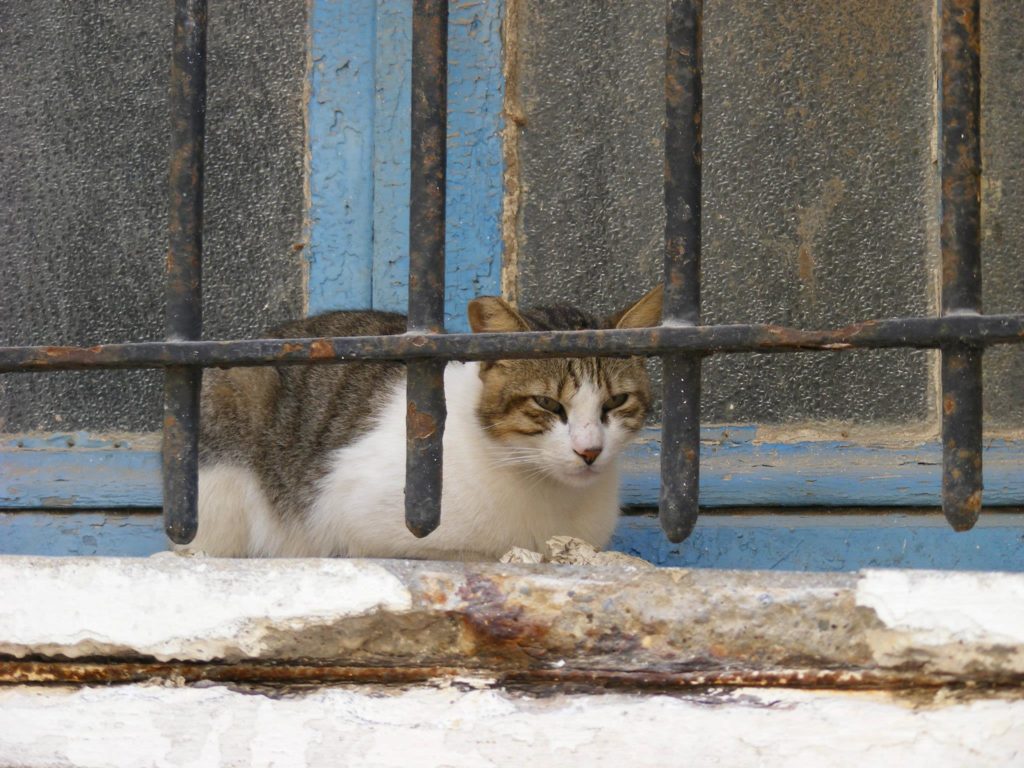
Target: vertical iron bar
x,y
960,105
680,456
184,267
425,416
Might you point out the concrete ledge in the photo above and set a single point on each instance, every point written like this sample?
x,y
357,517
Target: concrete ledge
x,y
483,664
93,619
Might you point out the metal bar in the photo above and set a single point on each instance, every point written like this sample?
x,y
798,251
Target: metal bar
x,y
426,411
184,268
916,333
680,456
20,672
960,103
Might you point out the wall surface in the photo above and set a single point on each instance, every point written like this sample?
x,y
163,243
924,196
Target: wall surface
x,y
85,126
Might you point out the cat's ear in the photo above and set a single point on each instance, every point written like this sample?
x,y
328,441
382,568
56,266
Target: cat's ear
x,y
491,314
645,313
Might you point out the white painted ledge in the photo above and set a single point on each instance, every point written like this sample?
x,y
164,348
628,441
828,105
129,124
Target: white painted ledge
x,y
175,607
131,726
507,618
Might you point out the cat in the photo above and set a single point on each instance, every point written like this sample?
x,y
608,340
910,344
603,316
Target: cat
x,y
309,461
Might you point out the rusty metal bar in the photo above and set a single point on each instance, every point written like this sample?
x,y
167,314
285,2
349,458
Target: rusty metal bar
x,y
18,672
680,456
960,105
916,333
184,268
426,410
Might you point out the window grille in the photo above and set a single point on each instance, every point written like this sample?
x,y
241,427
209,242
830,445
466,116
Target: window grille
x,y
960,332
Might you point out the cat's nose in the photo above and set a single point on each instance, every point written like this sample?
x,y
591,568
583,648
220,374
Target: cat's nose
x,y
589,455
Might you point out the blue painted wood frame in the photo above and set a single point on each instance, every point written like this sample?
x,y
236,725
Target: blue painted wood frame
x,y
778,542
737,470
341,163
359,139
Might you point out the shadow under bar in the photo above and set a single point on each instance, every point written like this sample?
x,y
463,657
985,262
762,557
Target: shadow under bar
x,y
960,104
180,450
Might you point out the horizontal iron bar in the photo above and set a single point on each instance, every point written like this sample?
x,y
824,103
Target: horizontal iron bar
x,y
915,332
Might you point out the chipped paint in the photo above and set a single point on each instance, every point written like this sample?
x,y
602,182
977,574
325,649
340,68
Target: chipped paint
x,y
173,608
360,144
946,609
790,541
740,466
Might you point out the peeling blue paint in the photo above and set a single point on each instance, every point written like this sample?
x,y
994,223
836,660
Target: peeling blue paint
x,y
787,542
362,260
763,542
737,470
82,534
45,472
340,251
391,161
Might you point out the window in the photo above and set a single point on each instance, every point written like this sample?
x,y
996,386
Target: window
x,y
872,416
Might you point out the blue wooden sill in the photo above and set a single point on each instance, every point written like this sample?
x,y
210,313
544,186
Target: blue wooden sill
x,y
737,470
781,542
121,476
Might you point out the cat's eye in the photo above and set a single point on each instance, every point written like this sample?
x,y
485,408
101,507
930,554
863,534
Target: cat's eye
x,y
549,404
614,402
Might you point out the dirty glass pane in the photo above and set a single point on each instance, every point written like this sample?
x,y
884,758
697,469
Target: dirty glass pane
x,y
83,157
820,188
1002,212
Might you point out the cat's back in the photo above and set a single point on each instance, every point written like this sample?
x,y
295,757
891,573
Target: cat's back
x,y
282,420
341,323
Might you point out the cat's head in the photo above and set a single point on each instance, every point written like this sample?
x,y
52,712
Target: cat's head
x,y
565,418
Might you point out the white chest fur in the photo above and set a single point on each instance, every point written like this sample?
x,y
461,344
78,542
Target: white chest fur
x,y
486,507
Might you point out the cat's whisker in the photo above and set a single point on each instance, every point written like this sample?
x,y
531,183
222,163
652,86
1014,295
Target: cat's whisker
x,y
513,464
525,457
522,455
517,458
